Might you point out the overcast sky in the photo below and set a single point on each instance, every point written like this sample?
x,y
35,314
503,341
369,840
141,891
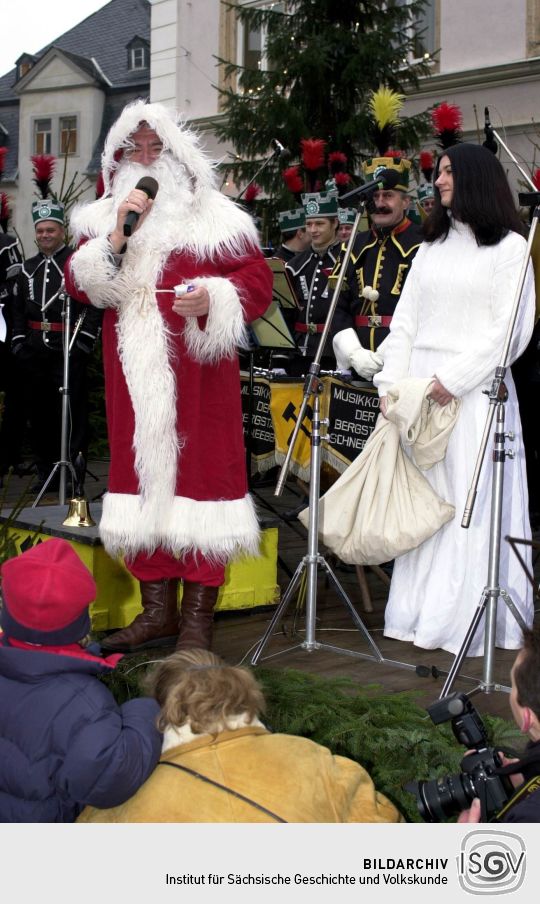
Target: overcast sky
x,y
31,24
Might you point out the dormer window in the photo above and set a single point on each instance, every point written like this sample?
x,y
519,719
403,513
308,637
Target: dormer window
x,y
24,64
138,54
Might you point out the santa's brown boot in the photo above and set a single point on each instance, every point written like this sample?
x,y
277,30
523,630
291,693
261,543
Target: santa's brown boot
x,y
197,616
156,625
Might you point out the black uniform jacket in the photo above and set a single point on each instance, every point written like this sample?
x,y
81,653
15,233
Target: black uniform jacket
x,y
380,259
309,272
285,254
37,307
10,264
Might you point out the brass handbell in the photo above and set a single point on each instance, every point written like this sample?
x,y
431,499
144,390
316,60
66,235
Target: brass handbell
x,y
79,513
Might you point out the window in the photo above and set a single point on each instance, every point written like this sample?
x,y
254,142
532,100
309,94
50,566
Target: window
x,y
252,54
42,136
138,51
23,68
57,135
138,58
24,64
68,135
422,31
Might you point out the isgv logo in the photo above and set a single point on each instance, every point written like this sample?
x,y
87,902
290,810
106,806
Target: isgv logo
x,y
491,863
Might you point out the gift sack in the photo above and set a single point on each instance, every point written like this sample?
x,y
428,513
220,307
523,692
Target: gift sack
x,y
383,506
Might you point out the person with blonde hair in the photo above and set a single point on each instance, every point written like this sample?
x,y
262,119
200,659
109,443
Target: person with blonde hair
x,y
220,764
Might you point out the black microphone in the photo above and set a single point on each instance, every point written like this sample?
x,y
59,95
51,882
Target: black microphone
x,y
490,144
150,187
279,150
386,179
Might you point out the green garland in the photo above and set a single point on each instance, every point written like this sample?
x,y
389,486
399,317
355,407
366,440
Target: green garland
x,y
387,733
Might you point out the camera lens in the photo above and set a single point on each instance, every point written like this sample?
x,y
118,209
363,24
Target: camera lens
x,y
440,798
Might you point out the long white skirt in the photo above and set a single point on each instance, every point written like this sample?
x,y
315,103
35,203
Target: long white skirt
x,y
436,588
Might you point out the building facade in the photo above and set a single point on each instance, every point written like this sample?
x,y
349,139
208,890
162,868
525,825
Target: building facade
x,y
62,101
483,53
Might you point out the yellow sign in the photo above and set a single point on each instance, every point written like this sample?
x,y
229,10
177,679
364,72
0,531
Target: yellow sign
x,y
285,404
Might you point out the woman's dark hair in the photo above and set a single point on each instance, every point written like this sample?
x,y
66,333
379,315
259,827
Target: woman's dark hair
x,y
482,198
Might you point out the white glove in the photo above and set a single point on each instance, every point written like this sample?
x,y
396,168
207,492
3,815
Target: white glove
x,y
345,342
349,352
366,363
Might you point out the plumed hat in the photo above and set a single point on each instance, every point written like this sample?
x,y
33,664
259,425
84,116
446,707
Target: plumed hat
x,y
374,166
447,120
384,107
425,191
46,592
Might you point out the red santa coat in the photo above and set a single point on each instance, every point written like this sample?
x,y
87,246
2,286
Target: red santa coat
x,y
177,481
199,422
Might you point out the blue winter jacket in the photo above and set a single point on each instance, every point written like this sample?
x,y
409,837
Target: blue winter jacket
x,y
64,742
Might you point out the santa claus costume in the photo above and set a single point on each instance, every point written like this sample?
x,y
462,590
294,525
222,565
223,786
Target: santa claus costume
x,y
177,504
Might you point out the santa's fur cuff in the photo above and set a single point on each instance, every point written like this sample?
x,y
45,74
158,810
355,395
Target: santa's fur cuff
x,y
224,330
96,273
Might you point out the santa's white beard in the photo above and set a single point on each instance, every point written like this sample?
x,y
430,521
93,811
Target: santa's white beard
x,y
163,230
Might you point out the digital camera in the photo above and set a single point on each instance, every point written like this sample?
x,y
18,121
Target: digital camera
x,y
441,798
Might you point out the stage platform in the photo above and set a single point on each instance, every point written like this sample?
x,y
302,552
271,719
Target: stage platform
x,y
249,583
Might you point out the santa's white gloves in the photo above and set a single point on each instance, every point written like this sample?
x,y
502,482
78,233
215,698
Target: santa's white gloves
x,y
349,353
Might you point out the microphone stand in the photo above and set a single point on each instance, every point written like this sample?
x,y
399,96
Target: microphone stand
x,y
315,366
64,463
311,562
273,156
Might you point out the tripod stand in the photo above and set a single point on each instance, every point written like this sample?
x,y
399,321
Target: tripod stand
x,y
313,560
64,464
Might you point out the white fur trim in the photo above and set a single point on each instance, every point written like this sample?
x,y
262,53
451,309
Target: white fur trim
x,y
220,530
176,736
176,137
212,227
206,223
225,329
95,273
144,356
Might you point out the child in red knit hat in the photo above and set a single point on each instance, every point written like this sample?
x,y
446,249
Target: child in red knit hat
x,y
64,742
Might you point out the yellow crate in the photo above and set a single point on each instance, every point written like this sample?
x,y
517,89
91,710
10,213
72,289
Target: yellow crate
x,y
249,582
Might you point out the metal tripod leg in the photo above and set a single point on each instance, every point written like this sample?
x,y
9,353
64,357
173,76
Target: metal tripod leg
x,y
281,609
64,464
492,591
310,566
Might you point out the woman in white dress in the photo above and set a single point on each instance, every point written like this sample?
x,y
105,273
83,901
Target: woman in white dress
x,y
450,323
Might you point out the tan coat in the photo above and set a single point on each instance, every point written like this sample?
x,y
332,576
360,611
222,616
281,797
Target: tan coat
x,y
294,778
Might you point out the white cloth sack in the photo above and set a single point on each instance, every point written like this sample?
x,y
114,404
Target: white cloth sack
x,y
382,506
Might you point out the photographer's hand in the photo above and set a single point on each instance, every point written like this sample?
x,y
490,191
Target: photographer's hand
x,y
517,779
471,815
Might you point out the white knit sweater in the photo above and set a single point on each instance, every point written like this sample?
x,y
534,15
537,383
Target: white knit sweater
x,y
456,303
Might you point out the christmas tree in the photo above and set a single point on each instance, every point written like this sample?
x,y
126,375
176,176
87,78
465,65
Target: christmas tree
x,y
321,62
